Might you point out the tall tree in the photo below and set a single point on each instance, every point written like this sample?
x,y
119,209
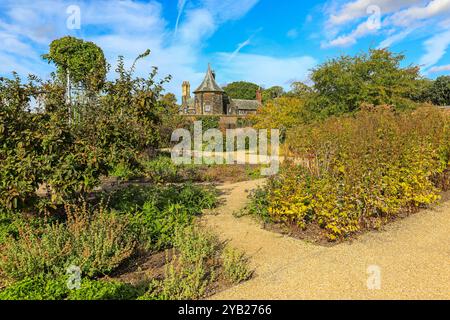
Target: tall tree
x,y
299,90
377,78
83,63
272,93
440,91
241,90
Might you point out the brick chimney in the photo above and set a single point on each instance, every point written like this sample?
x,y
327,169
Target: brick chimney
x,y
259,95
186,92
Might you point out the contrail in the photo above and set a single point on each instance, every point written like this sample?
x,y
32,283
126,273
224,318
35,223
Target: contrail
x,y
180,6
239,48
243,44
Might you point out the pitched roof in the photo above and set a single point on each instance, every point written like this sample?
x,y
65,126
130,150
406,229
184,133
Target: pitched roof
x,y
246,104
209,84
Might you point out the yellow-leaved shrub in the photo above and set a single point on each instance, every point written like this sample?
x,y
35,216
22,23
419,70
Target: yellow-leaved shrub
x,y
358,171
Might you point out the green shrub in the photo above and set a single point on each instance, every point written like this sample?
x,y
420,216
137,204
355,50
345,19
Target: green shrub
x,y
259,204
124,172
192,268
96,241
104,290
185,281
194,245
132,198
37,288
182,282
235,266
156,212
161,169
7,228
46,288
156,227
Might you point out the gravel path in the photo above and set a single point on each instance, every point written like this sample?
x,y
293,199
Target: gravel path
x,y
412,256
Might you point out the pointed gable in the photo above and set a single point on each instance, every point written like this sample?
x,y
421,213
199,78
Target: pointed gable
x,y
209,83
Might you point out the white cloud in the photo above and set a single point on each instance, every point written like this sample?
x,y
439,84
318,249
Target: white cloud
x,y
124,27
354,10
199,25
412,14
396,37
264,70
361,30
439,69
226,10
436,47
398,20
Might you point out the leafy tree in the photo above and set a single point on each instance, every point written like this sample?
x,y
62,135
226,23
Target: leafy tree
x,y
282,113
20,145
440,91
377,78
169,99
170,118
43,148
272,93
241,90
422,92
126,119
300,90
83,62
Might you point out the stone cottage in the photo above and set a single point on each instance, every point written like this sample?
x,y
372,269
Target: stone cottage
x,y
210,99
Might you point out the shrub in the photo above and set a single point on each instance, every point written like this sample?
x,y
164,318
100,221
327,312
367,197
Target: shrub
x,y
155,227
101,240
96,241
235,266
191,270
184,281
259,204
7,227
194,245
46,288
357,171
36,288
161,169
19,145
123,171
157,212
104,290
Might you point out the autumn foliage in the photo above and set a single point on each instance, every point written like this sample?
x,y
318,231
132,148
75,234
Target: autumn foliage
x,y
355,172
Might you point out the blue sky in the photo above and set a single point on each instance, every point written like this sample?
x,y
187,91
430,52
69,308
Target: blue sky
x,y
264,41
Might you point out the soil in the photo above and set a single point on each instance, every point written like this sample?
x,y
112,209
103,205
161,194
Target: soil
x,y
143,267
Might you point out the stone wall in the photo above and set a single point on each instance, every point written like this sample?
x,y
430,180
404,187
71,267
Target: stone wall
x,y
209,103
